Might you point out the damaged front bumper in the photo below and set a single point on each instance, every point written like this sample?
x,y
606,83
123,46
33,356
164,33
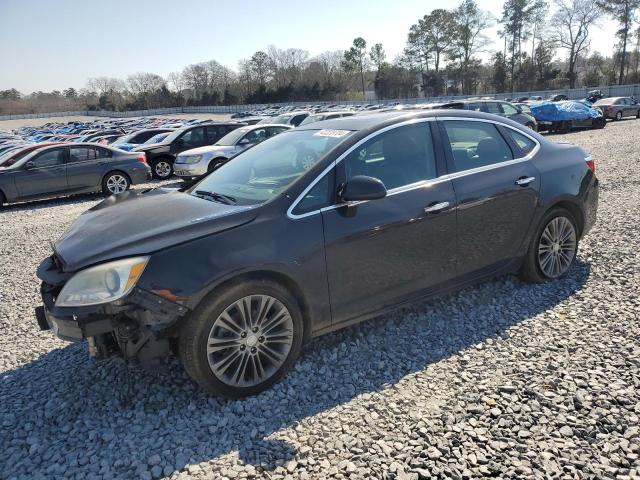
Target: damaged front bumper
x,y
138,326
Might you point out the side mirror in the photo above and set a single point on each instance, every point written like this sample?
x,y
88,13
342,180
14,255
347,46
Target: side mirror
x,y
362,187
244,141
29,165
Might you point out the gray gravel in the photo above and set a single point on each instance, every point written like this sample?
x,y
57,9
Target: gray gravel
x,y
505,379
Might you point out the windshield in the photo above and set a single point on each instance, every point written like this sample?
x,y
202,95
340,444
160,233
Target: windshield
x,y
172,136
262,172
156,138
231,138
281,119
124,139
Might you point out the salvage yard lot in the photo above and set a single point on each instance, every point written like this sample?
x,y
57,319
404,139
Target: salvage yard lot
x,y
503,379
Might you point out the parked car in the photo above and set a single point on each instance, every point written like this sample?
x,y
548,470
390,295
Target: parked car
x,y
276,247
191,164
617,108
564,116
127,142
161,156
326,116
594,95
558,98
69,169
496,107
294,119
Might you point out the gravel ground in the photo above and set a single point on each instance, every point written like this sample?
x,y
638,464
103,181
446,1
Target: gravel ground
x,y
504,379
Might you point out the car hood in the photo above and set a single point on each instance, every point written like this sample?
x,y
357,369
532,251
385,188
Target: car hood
x,y
140,223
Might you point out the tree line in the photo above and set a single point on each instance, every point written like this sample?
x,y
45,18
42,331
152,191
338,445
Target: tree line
x,y
542,45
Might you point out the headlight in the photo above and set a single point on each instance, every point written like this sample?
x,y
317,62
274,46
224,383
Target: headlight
x,y
189,159
102,283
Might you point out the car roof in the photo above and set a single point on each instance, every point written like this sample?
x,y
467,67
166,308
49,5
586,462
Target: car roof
x,y
373,121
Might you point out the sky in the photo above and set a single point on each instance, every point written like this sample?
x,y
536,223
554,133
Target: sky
x,y
48,45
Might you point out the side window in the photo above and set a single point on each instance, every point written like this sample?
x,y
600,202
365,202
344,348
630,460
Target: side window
x,y
215,133
256,136
103,153
475,106
525,144
193,138
297,120
273,131
318,197
508,109
398,157
81,154
476,144
48,159
492,107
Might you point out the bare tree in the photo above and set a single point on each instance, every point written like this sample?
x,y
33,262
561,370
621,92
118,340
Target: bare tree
x,y
570,26
623,11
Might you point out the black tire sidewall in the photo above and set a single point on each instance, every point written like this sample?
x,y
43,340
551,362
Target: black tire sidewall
x,y
105,189
533,250
195,332
619,116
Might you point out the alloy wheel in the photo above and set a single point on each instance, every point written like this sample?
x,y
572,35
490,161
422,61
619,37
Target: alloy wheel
x,y
250,341
557,247
117,184
163,169
619,116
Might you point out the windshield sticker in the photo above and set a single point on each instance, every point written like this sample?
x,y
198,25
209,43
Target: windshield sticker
x,y
331,133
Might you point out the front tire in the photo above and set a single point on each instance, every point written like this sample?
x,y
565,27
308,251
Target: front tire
x,y
242,339
553,248
114,183
162,168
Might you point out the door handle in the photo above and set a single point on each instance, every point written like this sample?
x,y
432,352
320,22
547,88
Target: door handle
x,y
524,181
436,207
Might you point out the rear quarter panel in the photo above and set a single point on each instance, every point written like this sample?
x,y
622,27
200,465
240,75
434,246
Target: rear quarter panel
x,y
565,177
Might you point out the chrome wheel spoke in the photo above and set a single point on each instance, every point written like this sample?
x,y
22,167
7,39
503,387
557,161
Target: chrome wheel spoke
x,y
250,340
557,247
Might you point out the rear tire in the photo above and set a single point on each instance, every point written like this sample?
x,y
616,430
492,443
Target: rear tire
x,y
114,183
536,265
217,336
3,200
162,168
618,116
565,126
600,122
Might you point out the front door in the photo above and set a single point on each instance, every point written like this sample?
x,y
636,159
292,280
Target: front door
x,y
384,251
496,189
45,173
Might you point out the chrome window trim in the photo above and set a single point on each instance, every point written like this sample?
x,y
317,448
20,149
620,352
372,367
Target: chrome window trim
x,y
416,185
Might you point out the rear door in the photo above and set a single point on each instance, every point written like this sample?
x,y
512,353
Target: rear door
x,y
86,166
496,189
45,173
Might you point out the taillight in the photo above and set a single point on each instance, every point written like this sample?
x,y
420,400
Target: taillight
x,y
142,157
591,164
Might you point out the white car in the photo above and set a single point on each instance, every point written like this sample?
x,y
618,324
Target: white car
x,y
202,160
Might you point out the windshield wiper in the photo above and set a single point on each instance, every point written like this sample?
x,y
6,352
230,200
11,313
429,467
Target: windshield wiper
x,y
218,197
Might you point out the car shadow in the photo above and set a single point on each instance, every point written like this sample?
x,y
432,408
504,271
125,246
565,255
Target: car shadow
x,y
110,412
